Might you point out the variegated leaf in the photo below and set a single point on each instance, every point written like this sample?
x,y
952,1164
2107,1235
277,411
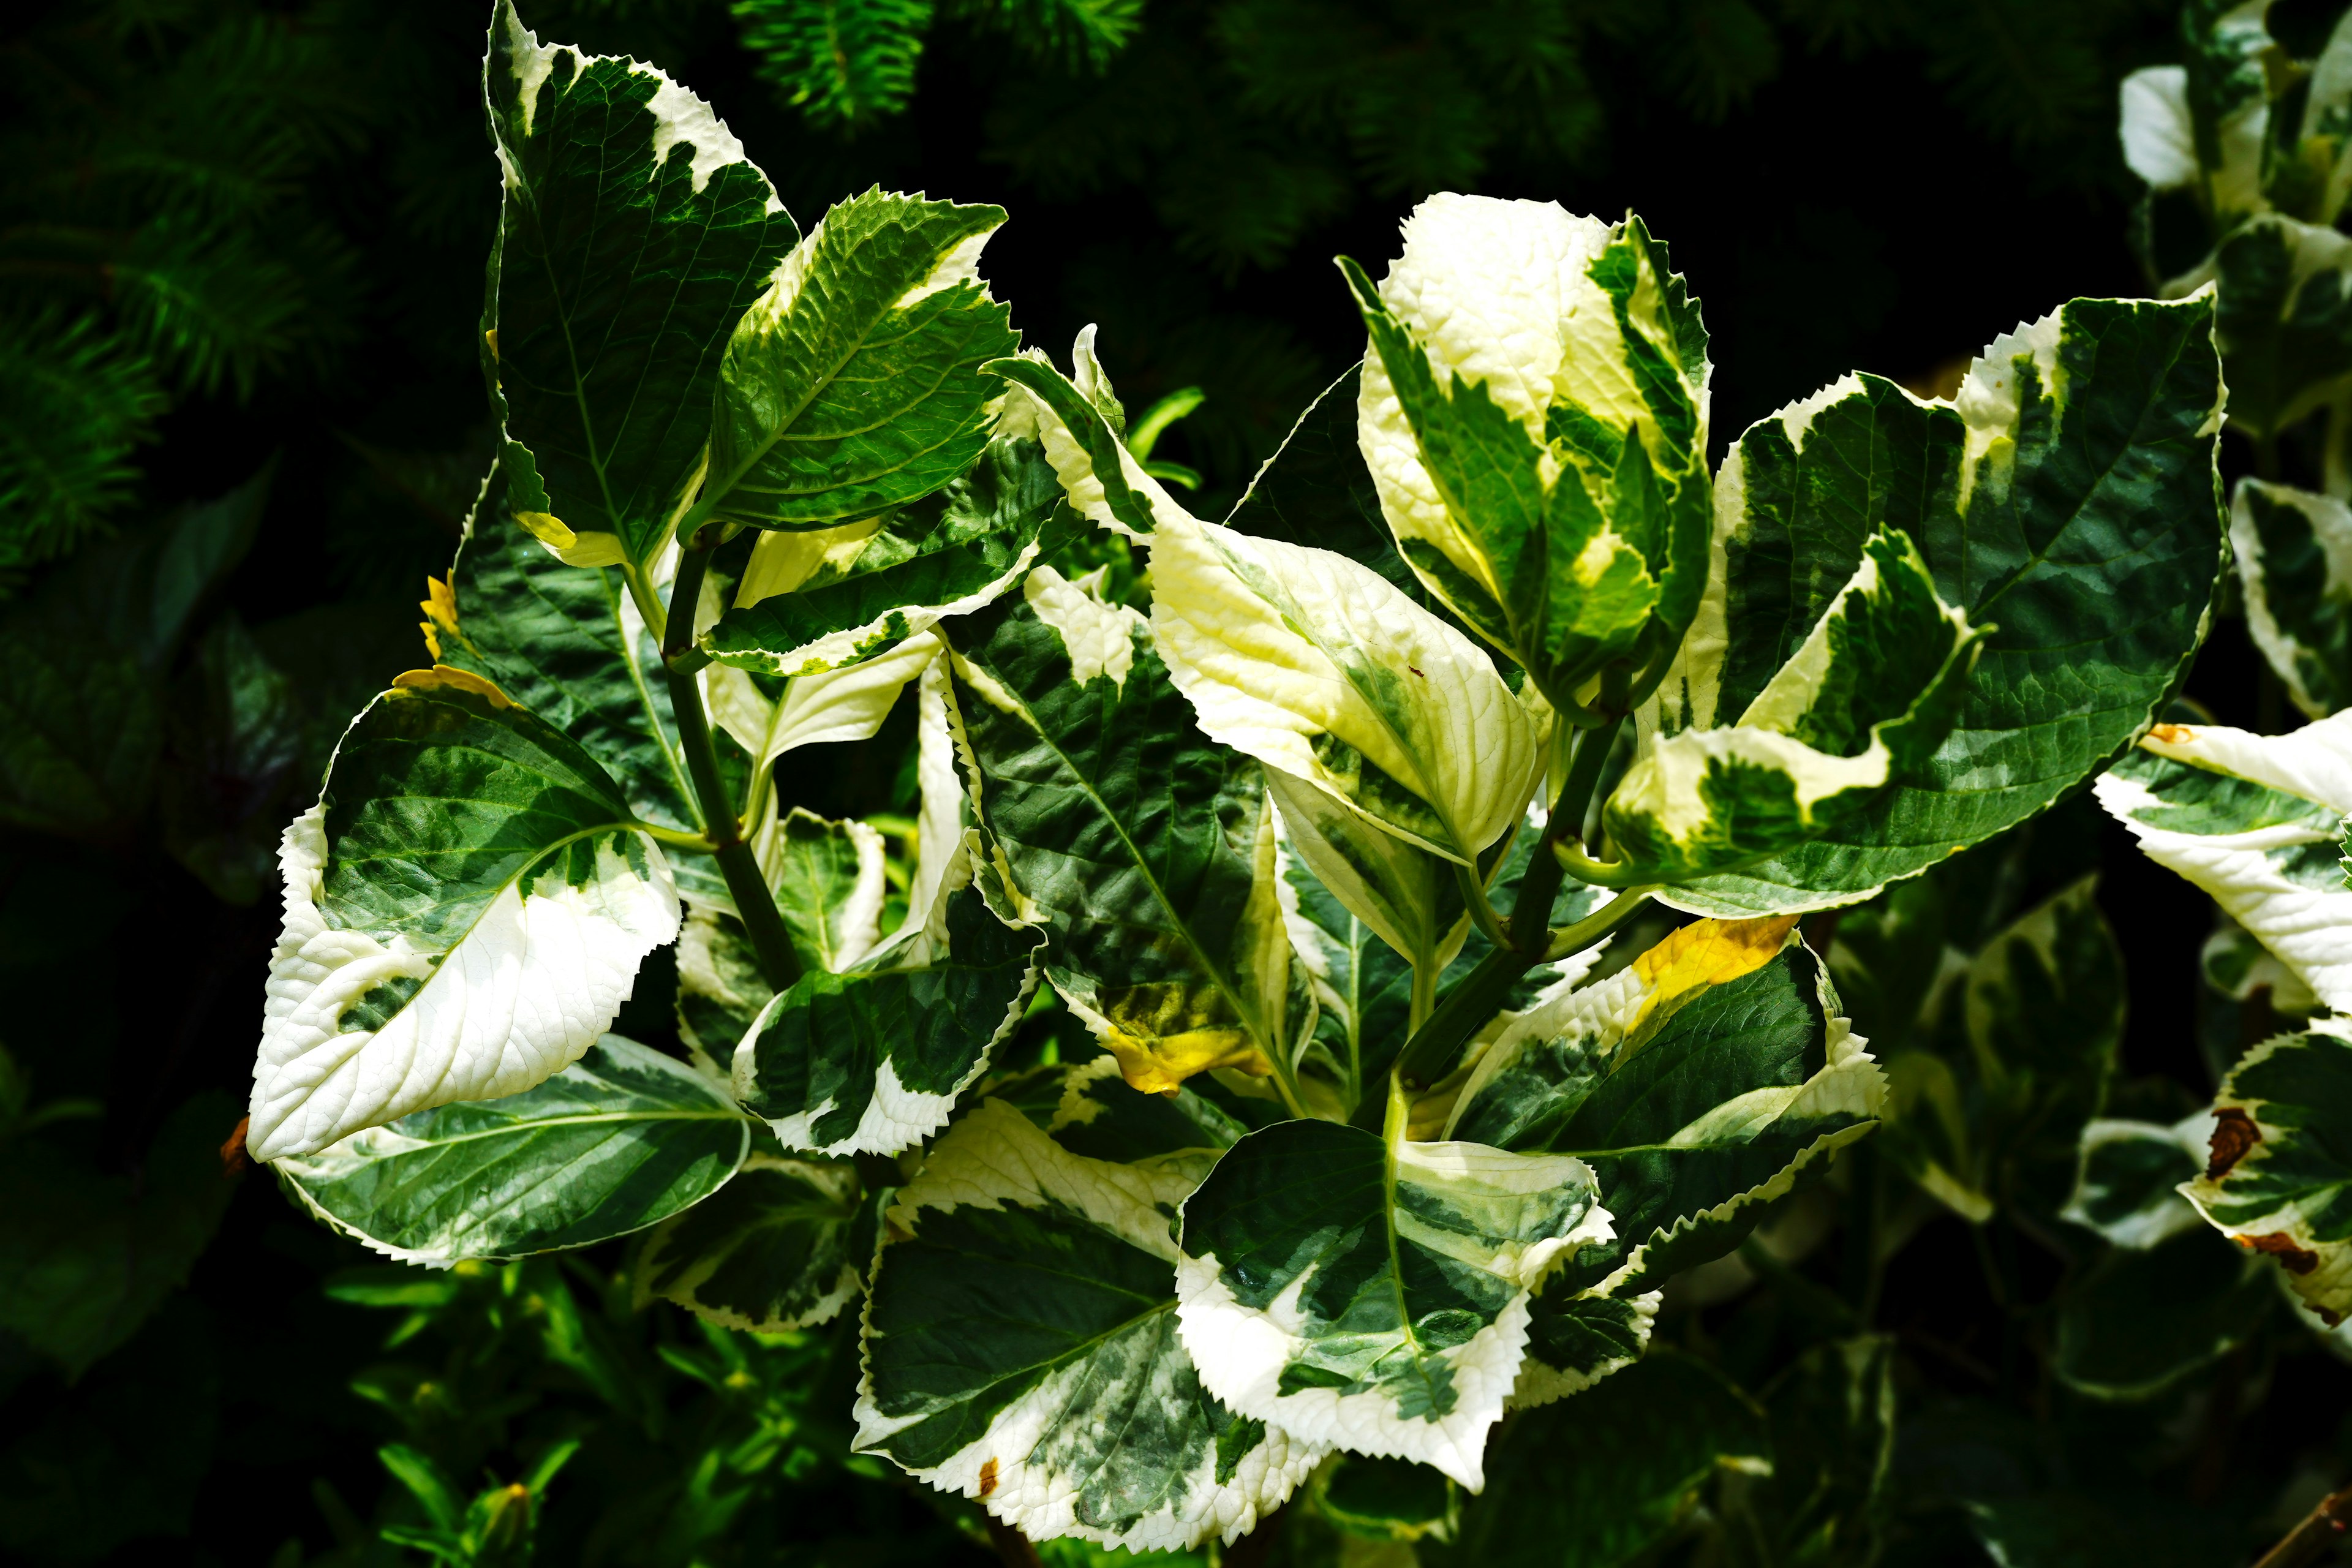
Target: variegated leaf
x,y
1022,1349
2283,320
624,1138
1860,704
466,909
1534,414
2278,1172
1147,849
853,385
1370,1292
2294,549
633,234
2254,820
2067,501
778,1247
2127,1188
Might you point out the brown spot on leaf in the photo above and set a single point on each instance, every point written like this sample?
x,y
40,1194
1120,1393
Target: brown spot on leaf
x,y
232,1156
2331,1318
2234,1133
988,1477
1416,671
2280,1245
2172,735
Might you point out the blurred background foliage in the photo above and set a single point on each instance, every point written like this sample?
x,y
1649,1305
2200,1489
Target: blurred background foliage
x,y
241,250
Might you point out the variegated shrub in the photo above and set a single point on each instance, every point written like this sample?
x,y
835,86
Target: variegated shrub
x,y
1322,831
2247,154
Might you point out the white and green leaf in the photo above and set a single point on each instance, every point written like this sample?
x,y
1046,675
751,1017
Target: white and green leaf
x,y
851,385
1022,1349
466,909
633,235
1534,413
621,1138
2254,820
2067,501
2283,320
2293,550
1370,1292
2278,1174
1859,703
2128,1187
776,1249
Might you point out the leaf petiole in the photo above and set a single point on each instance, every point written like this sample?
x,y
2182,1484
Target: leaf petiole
x,y
1482,912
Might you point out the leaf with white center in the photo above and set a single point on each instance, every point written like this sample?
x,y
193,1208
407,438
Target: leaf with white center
x,y
1370,1292
633,234
2294,549
1022,1349
852,385
2127,1188
1600,1481
2278,1172
2067,500
871,1060
1319,668
2254,820
569,645
1860,704
1534,416
466,909
1147,849
2283,320
775,1249
1698,1083
624,1138
820,599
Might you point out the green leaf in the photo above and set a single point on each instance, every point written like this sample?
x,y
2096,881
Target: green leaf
x,y
1833,1414
1699,1083
633,234
2254,820
1147,849
1860,704
872,1060
775,1249
1371,1293
837,705
843,63
827,879
1316,490
1386,1500
1534,414
2128,1187
622,1139
2294,549
1095,1114
235,740
823,598
466,909
2283,320
76,401
2138,1321
1596,1483
1021,1348
2068,500
87,1256
1318,667
2279,1176
853,385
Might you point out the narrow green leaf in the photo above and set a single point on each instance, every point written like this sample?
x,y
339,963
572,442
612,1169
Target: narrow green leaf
x,y
775,1249
466,909
853,385
1371,1293
622,1139
1022,1349
633,234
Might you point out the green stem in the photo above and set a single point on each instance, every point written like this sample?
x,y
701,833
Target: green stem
x,y
754,905
1593,873
1482,913
1424,992
676,838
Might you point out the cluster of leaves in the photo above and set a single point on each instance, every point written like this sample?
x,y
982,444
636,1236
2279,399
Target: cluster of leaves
x,y
1368,1145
